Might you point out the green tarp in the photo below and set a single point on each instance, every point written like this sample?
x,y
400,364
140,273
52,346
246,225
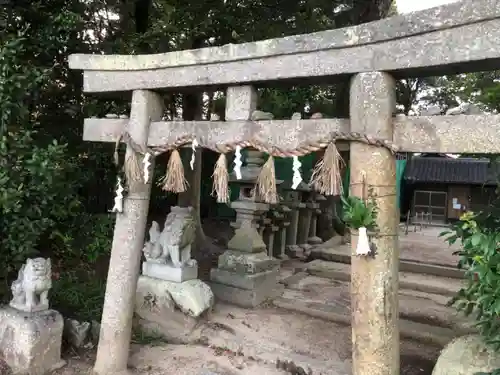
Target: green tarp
x,y
283,167
284,172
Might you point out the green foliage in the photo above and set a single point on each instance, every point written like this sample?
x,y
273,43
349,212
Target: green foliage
x,y
496,372
358,213
480,258
41,213
78,295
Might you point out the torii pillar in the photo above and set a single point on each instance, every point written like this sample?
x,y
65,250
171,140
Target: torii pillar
x,y
374,279
128,240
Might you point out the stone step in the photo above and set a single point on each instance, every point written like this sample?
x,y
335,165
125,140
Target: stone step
x,y
421,332
332,292
446,286
342,255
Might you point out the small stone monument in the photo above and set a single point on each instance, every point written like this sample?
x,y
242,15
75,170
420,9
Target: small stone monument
x,y
170,299
31,333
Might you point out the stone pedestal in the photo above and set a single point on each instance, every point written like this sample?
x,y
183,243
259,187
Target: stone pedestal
x,y
246,276
246,279
168,272
171,309
31,342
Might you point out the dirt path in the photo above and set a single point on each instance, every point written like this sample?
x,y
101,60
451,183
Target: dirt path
x,y
245,342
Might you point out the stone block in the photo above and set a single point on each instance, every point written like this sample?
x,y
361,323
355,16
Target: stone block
x,y
246,263
171,309
248,281
315,240
30,343
246,239
246,298
168,272
294,251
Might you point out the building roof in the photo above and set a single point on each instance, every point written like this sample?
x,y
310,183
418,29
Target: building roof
x,y
449,170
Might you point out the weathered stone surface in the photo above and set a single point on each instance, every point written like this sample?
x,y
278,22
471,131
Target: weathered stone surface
x,y
245,297
464,109
31,342
128,240
260,116
246,263
372,102
247,239
240,102
434,134
425,54
433,110
193,297
95,330
403,42
170,273
171,309
249,282
466,355
76,332
294,251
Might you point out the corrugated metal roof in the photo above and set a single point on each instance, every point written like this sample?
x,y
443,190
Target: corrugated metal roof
x,y
449,170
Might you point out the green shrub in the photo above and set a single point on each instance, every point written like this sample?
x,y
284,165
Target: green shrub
x,y
40,207
480,258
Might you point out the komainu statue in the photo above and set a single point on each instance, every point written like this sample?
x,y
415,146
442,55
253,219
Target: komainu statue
x,y
173,244
30,290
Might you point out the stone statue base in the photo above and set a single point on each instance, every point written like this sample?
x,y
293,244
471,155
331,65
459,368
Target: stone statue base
x,y
168,272
34,308
31,342
171,309
246,279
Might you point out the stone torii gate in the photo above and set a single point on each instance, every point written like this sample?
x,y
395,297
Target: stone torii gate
x,y
460,37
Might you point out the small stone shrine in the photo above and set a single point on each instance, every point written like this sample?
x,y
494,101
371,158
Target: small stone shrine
x,y
30,332
170,298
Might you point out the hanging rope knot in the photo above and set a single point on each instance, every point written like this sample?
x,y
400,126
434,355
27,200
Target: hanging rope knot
x,y
174,180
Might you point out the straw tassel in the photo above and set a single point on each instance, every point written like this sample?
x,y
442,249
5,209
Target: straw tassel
x,y
132,168
266,183
326,178
220,185
174,180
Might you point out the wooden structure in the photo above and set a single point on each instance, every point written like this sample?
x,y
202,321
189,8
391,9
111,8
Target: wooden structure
x,y
460,37
444,187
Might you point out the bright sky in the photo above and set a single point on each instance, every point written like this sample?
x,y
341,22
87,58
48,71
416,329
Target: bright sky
x,y
405,6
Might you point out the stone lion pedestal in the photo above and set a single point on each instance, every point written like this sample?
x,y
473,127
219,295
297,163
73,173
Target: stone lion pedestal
x,y
31,333
170,299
